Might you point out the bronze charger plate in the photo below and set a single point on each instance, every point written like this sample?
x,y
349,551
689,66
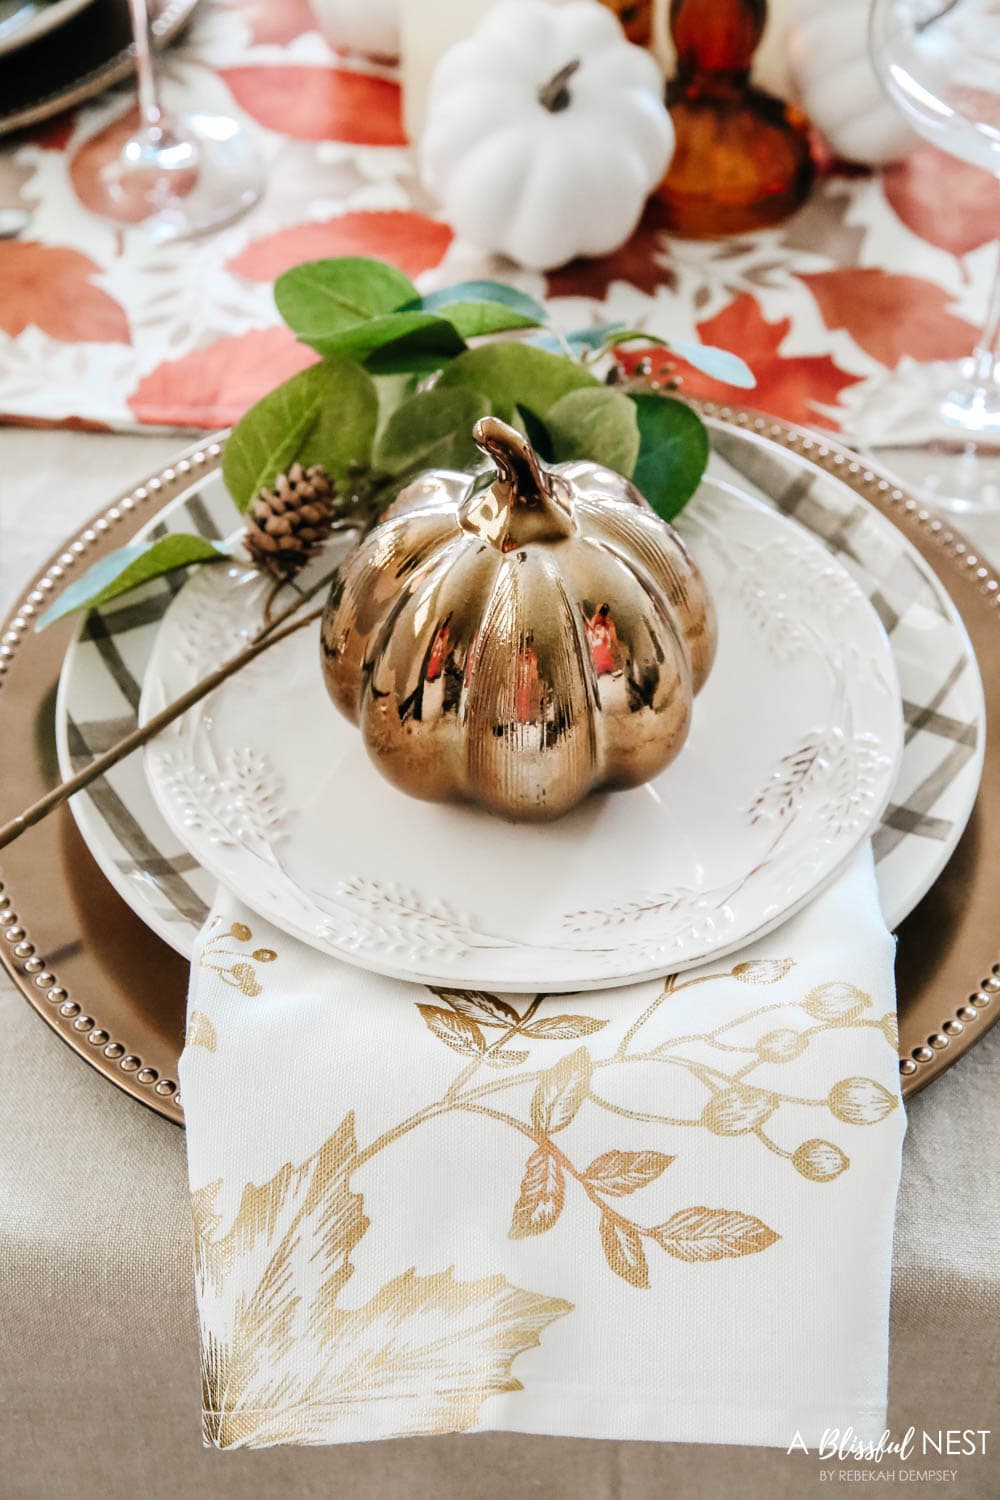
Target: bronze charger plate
x,y
78,60
115,992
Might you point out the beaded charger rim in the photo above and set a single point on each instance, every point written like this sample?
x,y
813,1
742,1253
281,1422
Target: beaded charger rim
x,y
62,957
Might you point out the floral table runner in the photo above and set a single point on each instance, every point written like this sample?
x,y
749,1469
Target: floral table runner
x,y
98,329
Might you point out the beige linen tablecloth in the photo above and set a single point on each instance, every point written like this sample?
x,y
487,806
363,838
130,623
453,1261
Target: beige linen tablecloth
x,y
99,1389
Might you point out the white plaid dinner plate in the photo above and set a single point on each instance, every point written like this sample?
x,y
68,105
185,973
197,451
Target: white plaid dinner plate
x,y
939,680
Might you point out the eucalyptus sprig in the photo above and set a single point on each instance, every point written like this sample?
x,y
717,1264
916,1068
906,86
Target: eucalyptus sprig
x,y
396,391
398,388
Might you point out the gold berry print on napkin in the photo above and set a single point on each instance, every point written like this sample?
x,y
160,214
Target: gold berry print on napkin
x,y
425,1211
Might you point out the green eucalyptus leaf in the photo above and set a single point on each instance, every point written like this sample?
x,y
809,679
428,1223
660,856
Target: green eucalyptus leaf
x,y
432,430
673,452
547,341
599,336
598,424
720,364
476,308
512,374
475,320
357,308
392,391
322,296
324,415
127,568
384,341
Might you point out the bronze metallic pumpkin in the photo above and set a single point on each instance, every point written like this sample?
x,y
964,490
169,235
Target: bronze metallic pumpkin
x,y
522,642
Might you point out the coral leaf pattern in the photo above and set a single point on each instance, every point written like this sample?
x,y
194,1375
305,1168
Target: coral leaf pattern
x,y
320,104
891,316
273,25
928,177
794,386
411,242
54,290
215,384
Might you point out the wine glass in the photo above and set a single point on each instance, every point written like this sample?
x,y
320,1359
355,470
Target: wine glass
x,y
939,423
173,176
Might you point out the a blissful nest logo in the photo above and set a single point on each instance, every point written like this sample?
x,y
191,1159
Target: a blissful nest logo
x,y
842,1445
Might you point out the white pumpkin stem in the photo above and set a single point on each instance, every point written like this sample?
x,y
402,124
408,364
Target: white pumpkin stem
x,y
554,95
527,506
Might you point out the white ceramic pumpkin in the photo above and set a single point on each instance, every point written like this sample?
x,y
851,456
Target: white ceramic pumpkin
x,y
546,132
836,82
370,27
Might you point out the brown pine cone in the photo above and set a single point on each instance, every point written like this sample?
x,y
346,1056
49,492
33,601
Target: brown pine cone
x,y
289,522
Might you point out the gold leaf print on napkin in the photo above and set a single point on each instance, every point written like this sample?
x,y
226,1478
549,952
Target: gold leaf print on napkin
x,y
200,1032
622,1245
283,1362
541,1199
734,1107
472,1011
619,1172
236,968
712,1234
560,1091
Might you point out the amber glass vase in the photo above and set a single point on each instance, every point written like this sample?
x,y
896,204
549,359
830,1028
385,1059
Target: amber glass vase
x,y
742,158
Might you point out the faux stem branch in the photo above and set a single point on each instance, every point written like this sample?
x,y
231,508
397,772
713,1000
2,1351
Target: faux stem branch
x,y
278,629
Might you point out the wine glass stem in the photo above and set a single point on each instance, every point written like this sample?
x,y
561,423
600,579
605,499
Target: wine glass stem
x,y
145,67
987,352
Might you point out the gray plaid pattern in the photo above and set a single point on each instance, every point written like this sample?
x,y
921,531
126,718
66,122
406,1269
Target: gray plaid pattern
x,y
170,889
940,745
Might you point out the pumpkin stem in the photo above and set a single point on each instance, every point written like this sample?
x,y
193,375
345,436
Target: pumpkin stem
x,y
524,504
554,95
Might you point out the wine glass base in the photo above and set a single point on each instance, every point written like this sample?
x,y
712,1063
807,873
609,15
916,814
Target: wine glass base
x,y
196,173
939,430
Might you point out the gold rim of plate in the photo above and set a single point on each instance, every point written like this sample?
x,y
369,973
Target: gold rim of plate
x,y
115,992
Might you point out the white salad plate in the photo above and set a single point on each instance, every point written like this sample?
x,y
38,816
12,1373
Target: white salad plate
x,y
794,747
934,792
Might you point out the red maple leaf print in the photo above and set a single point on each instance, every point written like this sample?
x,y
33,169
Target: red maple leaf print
x,y
412,242
947,202
320,104
52,287
275,22
793,387
214,386
889,316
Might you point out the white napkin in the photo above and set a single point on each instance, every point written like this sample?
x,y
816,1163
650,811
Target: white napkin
x,y
662,1212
